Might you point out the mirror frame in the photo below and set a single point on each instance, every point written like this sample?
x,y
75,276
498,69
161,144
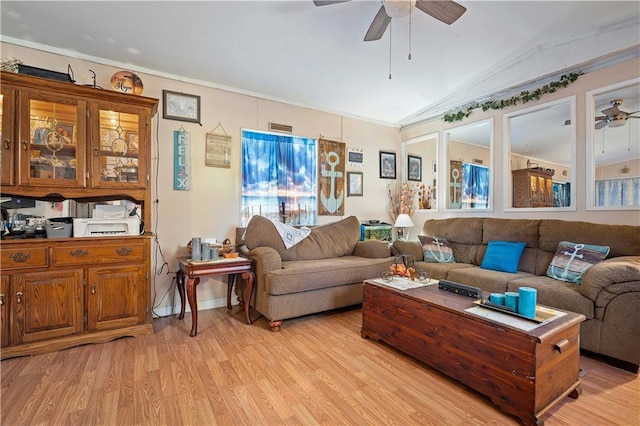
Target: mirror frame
x,y
590,172
508,188
405,170
445,161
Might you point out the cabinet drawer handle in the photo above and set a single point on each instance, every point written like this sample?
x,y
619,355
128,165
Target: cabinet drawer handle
x,y
20,256
25,145
7,144
561,345
124,251
19,297
79,252
93,289
1,299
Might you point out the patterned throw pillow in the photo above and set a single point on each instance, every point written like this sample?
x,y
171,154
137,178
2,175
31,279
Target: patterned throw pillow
x,y
436,249
571,260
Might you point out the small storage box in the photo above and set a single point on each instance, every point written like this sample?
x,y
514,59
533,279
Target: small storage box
x,y
58,229
381,232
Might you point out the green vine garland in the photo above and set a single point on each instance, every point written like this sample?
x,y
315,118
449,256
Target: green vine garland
x,y
524,97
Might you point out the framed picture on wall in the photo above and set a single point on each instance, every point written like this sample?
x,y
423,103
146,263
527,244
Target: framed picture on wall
x,y
354,184
414,165
387,165
180,106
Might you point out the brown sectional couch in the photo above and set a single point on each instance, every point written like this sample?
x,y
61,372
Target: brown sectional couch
x,y
322,272
609,295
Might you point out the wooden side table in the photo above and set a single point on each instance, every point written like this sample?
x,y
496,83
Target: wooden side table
x,y
191,271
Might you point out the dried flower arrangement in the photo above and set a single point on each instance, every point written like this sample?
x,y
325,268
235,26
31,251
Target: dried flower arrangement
x,y
401,199
425,196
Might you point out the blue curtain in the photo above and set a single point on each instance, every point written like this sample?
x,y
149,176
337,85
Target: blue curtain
x,y
475,186
618,192
279,178
561,194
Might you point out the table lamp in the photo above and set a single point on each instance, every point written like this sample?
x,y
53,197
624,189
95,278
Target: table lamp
x,y
403,221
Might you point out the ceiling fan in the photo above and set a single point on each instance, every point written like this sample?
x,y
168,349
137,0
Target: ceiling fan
x,y
446,11
613,116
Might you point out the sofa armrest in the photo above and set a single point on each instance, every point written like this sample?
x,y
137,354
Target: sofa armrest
x,y
266,259
414,248
372,249
604,281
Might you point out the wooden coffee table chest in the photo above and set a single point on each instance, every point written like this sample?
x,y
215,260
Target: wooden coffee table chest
x,y
524,373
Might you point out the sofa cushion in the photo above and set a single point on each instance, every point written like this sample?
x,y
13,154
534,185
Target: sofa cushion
x,y
326,241
503,256
436,249
624,240
306,275
439,271
488,280
572,260
556,294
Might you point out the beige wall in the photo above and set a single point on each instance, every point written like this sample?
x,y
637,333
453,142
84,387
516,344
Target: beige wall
x,y
618,170
616,73
212,207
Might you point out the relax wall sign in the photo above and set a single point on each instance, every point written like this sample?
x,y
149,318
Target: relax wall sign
x,y
181,160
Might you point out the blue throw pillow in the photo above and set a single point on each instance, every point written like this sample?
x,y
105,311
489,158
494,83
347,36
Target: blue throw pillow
x,y
436,249
503,256
571,260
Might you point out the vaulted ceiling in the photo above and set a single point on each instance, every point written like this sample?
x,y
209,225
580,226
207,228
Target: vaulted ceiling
x,y
299,53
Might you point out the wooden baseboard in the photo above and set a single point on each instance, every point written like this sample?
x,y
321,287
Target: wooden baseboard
x,y
66,342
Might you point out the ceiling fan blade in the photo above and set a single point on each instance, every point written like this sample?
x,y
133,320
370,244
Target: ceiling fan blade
x,y
447,11
328,2
629,114
601,124
600,117
378,26
611,111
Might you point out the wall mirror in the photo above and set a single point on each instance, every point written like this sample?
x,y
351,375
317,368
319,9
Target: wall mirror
x,y
539,160
421,169
468,154
613,151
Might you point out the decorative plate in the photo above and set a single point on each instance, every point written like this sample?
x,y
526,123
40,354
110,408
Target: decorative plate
x,y
126,82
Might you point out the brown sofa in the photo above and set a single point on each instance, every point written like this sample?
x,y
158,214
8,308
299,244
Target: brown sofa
x,y
609,296
324,271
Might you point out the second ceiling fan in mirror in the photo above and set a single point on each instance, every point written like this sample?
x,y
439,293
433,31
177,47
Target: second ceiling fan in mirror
x,y
614,116
444,11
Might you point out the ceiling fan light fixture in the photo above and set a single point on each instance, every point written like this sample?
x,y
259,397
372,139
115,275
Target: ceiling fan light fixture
x,y
398,8
618,122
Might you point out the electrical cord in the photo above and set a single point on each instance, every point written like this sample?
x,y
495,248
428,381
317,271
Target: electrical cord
x,y
158,254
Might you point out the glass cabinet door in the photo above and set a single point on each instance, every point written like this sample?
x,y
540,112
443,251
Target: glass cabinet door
x,y
7,136
117,151
52,133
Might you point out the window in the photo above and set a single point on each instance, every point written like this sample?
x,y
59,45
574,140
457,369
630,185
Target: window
x,y
475,186
279,178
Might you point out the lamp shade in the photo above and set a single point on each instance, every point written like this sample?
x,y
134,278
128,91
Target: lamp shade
x,y
403,221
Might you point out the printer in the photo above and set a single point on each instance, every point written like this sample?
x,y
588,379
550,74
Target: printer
x,y
106,227
107,221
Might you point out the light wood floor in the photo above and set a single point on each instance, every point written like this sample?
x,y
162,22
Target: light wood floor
x,y
316,370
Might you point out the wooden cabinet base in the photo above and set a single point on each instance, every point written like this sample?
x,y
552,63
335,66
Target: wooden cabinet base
x,y
67,342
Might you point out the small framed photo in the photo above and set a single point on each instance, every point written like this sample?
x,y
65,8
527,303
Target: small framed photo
x,y
66,132
387,165
414,165
180,106
354,184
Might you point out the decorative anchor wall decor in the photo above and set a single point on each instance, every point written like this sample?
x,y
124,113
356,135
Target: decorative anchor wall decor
x,y
331,177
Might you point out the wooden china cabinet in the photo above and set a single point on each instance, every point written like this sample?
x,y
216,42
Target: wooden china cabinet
x,y
65,141
532,188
